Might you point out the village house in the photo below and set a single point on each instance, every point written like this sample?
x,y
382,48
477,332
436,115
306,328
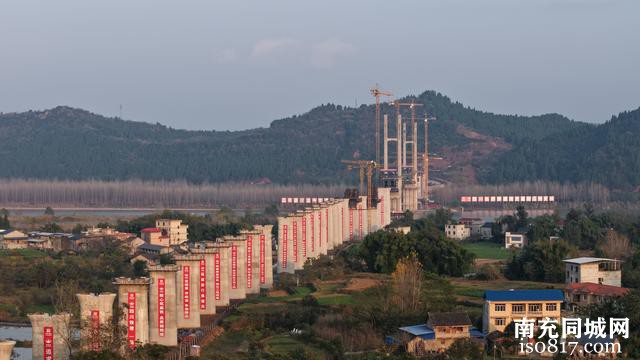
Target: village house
x,y
501,307
13,239
439,333
457,231
515,240
593,270
583,294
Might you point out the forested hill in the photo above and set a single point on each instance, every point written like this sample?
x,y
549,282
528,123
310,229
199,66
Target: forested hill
x,y
67,143
607,154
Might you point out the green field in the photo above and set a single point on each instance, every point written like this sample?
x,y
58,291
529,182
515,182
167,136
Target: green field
x,y
487,250
26,253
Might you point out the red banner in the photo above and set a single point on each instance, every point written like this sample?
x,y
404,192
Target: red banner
x,y
95,330
320,228
131,320
203,284
48,342
304,237
249,261
234,267
313,234
263,276
162,307
217,276
186,292
284,246
326,225
350,224
341,224
360,221
295,241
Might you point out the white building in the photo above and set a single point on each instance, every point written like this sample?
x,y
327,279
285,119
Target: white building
x,y
457,231
514,240
593,270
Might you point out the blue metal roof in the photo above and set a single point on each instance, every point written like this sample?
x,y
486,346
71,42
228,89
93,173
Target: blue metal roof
x,y
422,330
523,295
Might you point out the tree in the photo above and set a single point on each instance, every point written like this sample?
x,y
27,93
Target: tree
x,y
382,250
540,261
464,349
49,211
407,282
140,268
616,245
522,218
4,219
51,227
78,229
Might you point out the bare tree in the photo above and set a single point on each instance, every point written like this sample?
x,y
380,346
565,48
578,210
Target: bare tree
x,y
407,283
616,245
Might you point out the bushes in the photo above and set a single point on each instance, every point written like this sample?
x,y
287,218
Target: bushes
x,y
487,272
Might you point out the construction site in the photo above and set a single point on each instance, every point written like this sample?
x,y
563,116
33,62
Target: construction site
x,y
214,275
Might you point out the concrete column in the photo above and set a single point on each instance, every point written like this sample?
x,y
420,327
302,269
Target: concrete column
x,y
265,254
6,349
50,336
352,216
304,235
384,206
336,223
237,267
386,145
207,274
133,299
163,325
400,144
296,240
285,245
305,231
252,244
220,273
344,220
312,249
188,304
327,228
329,216
96,313
319,224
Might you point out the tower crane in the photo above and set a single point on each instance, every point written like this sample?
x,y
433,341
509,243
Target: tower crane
x,y
362,166
377,93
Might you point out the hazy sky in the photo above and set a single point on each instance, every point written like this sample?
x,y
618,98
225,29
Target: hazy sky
x,y
240,64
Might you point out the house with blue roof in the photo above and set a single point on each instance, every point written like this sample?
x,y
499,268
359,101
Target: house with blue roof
x,y
440,332
501,307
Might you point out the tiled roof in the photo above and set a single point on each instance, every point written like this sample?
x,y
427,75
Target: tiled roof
x,y
449,318
523,295
597,289
150,230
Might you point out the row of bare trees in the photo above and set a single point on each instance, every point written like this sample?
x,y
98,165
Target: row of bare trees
x,y
566,193
137,194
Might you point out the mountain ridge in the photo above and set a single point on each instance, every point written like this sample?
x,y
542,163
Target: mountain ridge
x,y
75,144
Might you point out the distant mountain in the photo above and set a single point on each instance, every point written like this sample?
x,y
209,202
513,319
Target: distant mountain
x,y
608,154
68,143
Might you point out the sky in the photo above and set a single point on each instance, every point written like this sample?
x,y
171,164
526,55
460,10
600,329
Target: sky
x,y
234,65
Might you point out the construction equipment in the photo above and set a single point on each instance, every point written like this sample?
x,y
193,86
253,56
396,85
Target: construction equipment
x,y
376,92
425,162
414,136
368,166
